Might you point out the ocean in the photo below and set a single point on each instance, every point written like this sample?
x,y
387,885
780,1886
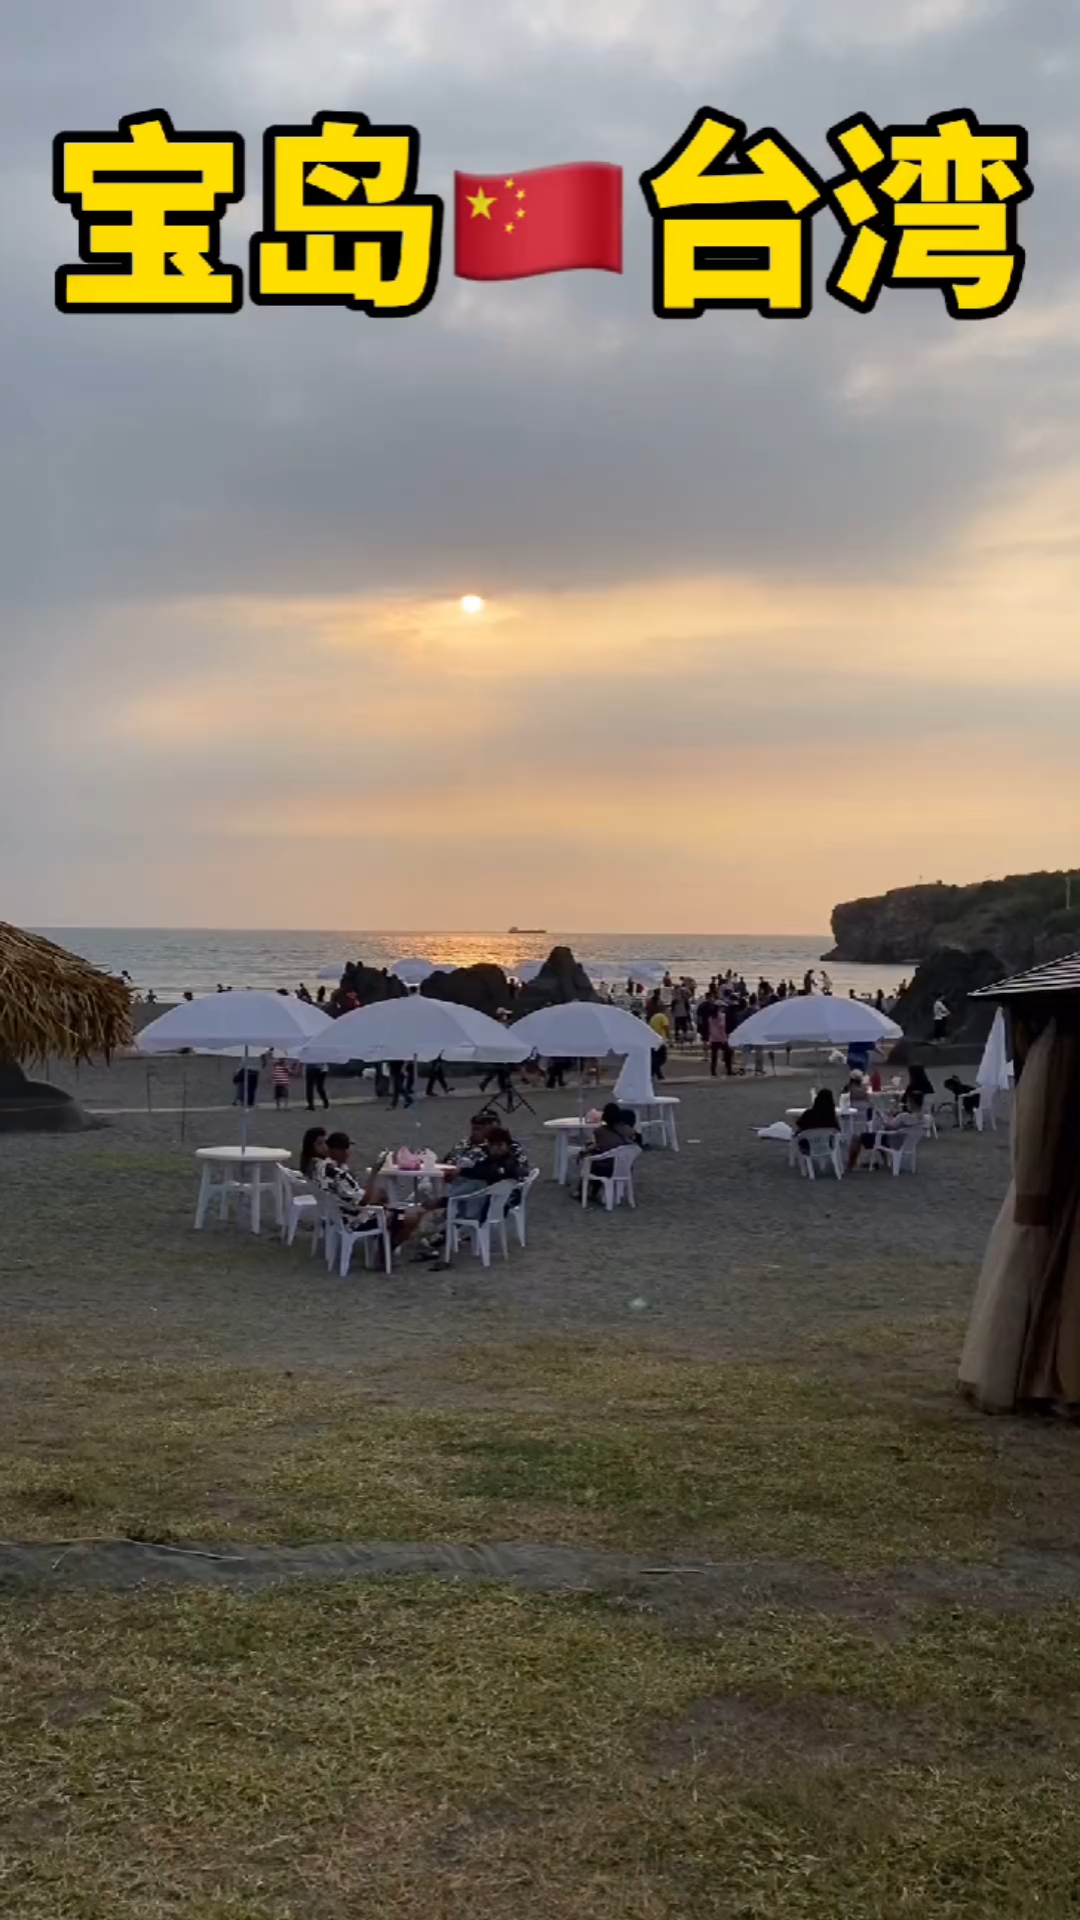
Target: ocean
x,y
174,960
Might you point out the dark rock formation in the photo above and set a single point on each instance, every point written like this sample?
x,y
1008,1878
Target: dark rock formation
x,y
1024,919
561,978
368,983
951,975
32,1106
483,987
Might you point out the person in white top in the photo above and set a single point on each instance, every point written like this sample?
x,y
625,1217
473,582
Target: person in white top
x,y
941,1019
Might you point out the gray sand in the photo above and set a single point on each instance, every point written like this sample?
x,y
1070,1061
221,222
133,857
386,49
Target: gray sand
x,y
729,1250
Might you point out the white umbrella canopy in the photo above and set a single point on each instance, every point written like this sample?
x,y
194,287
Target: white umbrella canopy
x,y
233,1022
413,970
237,1024
819,1019
583,1030
415,1029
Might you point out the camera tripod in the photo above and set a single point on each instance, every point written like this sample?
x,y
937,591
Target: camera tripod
x,y
508,1098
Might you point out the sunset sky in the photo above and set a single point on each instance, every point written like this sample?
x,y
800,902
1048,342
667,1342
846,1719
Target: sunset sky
x,y
776,612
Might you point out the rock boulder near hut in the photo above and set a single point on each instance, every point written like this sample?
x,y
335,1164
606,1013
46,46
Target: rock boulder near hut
x,y
53,1006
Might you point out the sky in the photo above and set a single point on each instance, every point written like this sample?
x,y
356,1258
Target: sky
x,y
777,612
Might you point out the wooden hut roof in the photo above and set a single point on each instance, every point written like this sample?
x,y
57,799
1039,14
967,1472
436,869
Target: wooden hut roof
x,y
54,1005
1054,976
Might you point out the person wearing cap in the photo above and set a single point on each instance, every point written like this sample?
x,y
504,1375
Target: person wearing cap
x,y
358,1202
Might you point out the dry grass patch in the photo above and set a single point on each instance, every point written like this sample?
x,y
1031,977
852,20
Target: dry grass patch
x,y
411,1750
632,1449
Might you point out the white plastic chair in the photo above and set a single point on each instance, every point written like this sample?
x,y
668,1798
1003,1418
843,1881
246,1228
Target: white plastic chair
x,y
297,1201
817,1150
477,1216
899,1148
986,1111
519,1201
616,1186
340,1239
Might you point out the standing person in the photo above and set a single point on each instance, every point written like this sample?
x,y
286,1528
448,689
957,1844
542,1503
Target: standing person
x,y
556,1074
703,1017
680,1013
279,1080
661,1026
941,1019
402,1081
246,1082
315,1087
718,1041
437,1078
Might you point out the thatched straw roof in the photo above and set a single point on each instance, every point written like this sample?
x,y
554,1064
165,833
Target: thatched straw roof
x,y
54,1005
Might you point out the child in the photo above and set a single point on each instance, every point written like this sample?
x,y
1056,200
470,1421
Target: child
x,y
280,1078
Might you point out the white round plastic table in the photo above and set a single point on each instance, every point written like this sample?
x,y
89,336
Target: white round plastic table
x,y
259,1161
564,1131
391,1173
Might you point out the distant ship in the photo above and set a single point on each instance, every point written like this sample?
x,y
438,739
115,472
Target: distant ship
x,y
528,929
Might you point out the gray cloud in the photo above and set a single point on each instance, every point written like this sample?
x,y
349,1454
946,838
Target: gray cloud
x,y
537,435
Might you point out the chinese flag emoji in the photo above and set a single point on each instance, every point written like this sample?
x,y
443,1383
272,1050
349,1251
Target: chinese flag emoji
x,y
510,225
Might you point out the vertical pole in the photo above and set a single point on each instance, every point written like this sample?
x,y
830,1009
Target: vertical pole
x,y
244,1104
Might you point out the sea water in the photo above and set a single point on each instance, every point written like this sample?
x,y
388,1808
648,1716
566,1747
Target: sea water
x,y
173,960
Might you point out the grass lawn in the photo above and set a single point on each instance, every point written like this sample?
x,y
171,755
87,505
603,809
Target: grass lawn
x,y
604,1446
413,1748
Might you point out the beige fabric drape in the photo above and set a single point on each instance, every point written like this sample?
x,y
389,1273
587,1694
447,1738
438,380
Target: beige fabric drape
x,y
1023,1338
1016,1251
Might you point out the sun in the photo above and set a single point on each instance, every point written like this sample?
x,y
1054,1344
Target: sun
x,y
471,603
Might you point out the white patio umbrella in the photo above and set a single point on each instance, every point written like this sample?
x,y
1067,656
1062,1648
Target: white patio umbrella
x,y
995,1073
416,1029
583,1030
237,1024
815,1019
413,970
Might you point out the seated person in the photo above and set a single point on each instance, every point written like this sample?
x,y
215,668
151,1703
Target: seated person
x,y
967,1098
919,1088
616,1129
498,1157
312,1150
476,1139
357,1203
820,1117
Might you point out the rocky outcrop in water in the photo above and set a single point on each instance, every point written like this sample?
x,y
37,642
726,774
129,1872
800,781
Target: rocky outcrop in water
x,y
485,988
561,978
1024,919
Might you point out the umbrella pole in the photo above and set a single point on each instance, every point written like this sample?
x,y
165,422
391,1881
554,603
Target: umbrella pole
x,y
244,1106
183,1106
